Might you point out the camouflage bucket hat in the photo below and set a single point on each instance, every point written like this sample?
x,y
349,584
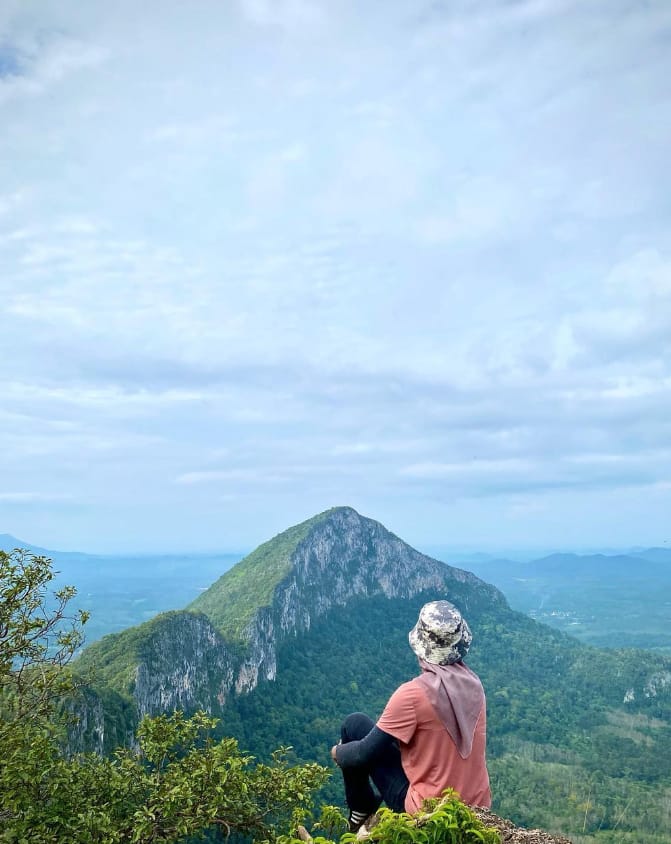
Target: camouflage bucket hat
x,y
441,635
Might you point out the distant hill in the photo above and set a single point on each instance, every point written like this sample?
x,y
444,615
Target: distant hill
x,y
644,564
9,543
655,555
598,565
314,624
607,600
121,591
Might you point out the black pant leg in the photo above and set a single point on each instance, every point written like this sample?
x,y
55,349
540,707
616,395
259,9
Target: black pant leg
x,y
386,771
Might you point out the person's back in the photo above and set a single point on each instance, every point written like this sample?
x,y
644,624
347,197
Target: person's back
x,y
429,755
432,733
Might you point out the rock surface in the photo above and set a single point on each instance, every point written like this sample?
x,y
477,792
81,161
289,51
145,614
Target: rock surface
x,y
511,834
344,556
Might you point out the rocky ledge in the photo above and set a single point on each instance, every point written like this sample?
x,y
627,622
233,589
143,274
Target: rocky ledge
x,y
508,831
511,834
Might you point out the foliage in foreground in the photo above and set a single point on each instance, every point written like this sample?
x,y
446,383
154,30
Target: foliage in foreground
x,y
178,782
37,640
444,821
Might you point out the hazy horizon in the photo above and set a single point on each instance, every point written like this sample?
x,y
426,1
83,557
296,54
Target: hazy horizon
x,y
519,553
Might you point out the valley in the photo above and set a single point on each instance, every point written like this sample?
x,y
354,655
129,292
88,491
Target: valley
x,y
611,601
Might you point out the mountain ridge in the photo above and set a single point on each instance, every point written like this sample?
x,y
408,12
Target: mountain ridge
x,y
274,592
8,543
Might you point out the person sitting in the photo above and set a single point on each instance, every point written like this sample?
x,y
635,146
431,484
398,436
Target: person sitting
x,y
432,733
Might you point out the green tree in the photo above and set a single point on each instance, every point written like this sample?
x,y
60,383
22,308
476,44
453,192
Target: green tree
x,y
177,782
37,640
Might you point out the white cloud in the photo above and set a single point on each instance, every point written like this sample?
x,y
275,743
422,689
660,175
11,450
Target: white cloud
x,y
43,65
287,14
478,210
466,468
340,266
10,202
643,276
32,497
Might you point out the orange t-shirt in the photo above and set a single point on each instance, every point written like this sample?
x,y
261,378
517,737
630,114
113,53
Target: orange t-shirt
x,y
429,756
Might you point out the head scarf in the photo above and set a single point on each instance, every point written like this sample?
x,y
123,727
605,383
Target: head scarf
x,y
457,697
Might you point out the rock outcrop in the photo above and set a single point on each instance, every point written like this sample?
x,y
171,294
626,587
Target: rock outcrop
x,y
512,834
185,663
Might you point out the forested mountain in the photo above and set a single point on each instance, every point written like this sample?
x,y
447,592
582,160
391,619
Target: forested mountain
x,y
314,624
228,638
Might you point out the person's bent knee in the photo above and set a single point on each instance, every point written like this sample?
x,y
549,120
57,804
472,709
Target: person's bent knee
x,y
356,726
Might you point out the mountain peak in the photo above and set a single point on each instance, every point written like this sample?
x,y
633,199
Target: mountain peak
x,y
341,509
299,575
320,543
232,601
277,592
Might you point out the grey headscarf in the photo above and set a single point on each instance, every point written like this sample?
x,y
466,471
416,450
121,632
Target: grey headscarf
x,y
441,639
457,697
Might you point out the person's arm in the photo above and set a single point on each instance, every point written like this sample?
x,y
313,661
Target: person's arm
x,y
362,752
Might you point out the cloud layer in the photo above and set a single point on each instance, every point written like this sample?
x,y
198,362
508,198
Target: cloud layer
x,y
264,258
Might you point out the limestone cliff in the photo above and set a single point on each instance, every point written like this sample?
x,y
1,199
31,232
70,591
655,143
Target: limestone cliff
x,y
184,664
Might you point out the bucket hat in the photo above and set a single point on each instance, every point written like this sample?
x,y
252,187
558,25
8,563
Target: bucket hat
x,y
441,635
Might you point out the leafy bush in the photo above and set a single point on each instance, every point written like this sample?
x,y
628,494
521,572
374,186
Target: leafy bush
x,y
441,821
177,782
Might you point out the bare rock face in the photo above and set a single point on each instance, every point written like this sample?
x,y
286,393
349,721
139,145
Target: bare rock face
x,y
261,657
88,729
345,556
186,665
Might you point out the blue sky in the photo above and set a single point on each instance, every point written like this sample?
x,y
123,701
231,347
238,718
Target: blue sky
x,y
262,258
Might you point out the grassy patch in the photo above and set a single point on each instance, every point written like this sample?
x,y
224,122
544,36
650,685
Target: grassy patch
x,y
232,601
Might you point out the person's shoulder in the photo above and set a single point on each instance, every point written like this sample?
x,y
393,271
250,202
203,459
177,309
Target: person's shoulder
x,y
411,688
413,695
407,689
